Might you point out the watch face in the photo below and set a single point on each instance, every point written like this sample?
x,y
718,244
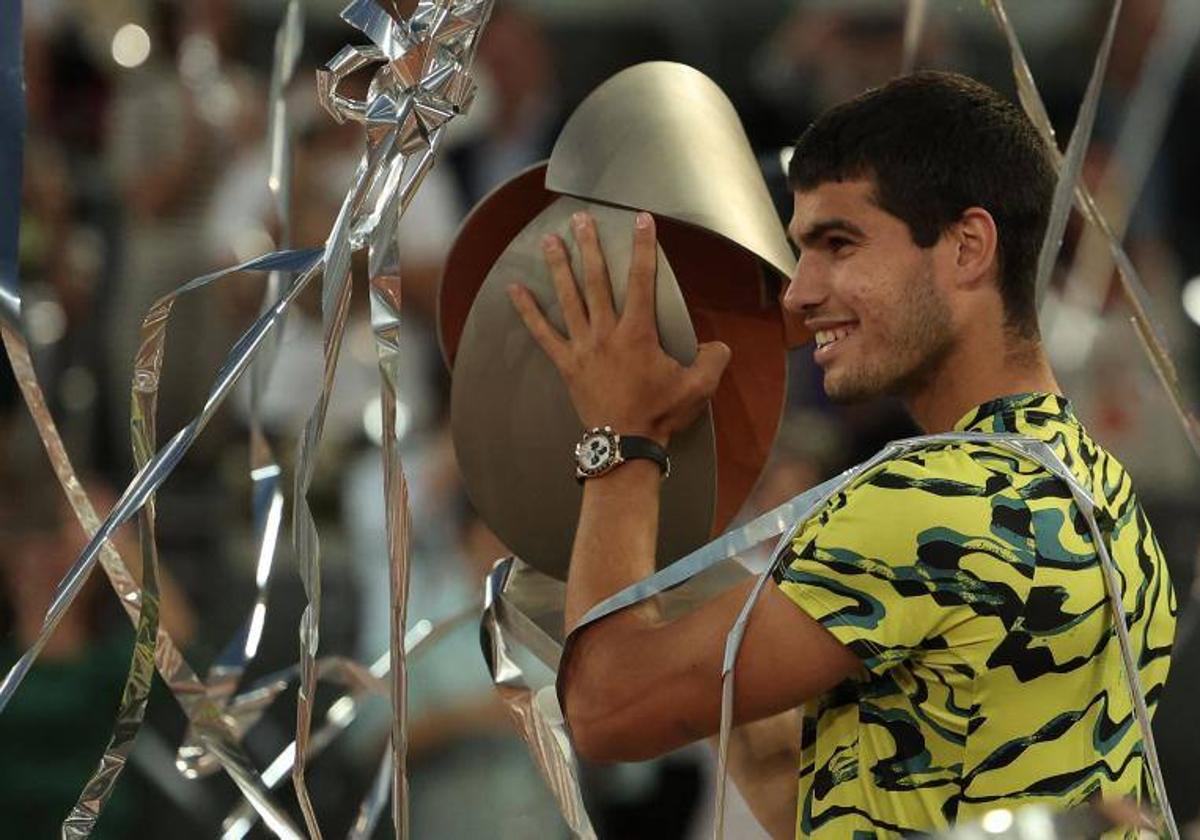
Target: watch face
x,y
595,452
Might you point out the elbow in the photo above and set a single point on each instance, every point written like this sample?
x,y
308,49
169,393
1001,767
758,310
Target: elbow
x,y
606,726
591,724
617,737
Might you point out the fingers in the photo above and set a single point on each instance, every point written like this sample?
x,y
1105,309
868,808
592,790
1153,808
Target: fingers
x,y
596,286
554,345
643,269
574,315
712,358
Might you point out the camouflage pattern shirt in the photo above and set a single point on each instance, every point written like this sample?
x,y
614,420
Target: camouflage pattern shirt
x,y
965,579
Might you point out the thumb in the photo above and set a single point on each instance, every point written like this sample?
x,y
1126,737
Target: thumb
x,y
712,357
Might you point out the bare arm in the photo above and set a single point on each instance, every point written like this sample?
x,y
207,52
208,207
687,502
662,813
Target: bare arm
x,y
635,686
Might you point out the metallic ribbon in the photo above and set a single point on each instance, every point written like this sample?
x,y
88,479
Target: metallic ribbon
x,y
423,84
340,715
1072,165
424,81
212,727
1144,123
1131,285
143,611
12,145
540,724
512,613
914,28
266,496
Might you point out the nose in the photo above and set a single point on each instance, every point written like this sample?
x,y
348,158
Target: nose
x,y
807,289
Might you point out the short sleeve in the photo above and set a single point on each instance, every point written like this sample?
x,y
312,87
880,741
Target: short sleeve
x,y
922,554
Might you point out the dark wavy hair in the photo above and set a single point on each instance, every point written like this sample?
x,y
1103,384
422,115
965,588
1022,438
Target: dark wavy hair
x,y
936,144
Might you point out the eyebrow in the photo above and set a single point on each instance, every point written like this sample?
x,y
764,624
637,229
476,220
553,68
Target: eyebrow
x,y
827,226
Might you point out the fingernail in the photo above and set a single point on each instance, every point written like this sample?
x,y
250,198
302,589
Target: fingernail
x,y
644,220
579,219
549,242
513,290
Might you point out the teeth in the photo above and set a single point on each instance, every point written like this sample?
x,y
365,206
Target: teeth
x,y
824,337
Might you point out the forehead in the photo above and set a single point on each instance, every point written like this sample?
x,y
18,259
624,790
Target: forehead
x,y
852,201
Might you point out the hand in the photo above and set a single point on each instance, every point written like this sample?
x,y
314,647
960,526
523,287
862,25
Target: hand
x,y
614,367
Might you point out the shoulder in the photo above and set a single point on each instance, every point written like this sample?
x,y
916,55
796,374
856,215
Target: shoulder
x,y
942,497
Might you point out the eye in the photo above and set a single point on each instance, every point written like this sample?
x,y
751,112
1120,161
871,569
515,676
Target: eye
x,y
837,243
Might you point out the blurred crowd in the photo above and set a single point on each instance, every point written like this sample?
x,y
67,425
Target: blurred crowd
x,y
146,165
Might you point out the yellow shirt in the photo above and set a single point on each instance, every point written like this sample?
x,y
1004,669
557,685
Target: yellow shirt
x,y
965,579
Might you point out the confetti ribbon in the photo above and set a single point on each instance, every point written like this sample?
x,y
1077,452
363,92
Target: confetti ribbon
x,y
265,474
914,27
424,82
1143,125
1132,288
152,645
12,144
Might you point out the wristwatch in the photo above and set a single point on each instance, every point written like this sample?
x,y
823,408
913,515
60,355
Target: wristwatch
x,y
601,450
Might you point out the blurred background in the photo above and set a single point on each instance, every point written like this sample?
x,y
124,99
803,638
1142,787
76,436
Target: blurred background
x,y
146,165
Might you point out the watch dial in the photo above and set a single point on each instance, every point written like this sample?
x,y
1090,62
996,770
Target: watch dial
x,y
595,452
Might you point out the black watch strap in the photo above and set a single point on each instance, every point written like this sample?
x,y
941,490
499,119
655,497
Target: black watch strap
x,y
636,446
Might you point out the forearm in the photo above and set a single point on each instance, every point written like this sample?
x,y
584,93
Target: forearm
x,y
614,547
616,536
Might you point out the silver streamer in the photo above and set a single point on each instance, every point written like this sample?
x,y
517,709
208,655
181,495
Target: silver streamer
x,y
12,144
1142,129
424,82
223,677
1134,292
1072,165
340,715
914,27
528,616
532,704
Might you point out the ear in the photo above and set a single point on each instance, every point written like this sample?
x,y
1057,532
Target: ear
x,y
975,240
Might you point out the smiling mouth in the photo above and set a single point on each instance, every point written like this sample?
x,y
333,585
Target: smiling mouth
x,y
830,337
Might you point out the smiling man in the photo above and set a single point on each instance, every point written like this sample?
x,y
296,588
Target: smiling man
x,y
942,621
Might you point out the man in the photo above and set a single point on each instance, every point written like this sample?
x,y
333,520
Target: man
x,y
945,618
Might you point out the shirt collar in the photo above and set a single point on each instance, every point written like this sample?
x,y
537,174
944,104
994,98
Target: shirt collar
x,y
999,415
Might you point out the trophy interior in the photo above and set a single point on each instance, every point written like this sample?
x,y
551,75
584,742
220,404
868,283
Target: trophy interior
x,y
727,294
730,299
512,420
485,233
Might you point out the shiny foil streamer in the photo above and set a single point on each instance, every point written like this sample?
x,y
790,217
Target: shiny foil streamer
x,y
439,42
423,82
1132,288
142,606
540,725
151,476
266,496
914,28
176,673
12,146
1143,126
340,715
1072,164
507,624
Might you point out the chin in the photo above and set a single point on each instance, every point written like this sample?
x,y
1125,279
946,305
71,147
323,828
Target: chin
x,y
845,390
842,394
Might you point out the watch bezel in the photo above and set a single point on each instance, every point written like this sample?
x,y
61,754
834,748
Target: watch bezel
x,y
614,460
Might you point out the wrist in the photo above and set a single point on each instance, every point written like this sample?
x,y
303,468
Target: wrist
x,y
603,449
636,428
635,470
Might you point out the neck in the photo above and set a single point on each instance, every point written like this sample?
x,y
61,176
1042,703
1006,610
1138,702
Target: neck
x,y
974,374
